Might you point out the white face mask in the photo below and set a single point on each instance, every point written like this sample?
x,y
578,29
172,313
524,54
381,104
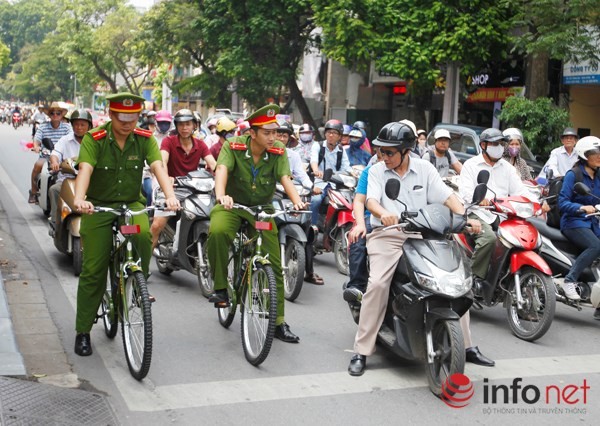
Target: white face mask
x,y
495,152
306,137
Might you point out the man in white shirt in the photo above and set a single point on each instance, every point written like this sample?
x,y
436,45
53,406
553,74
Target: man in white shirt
x,y
421,185
67,147
564,157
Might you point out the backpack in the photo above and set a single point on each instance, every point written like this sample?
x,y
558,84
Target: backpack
x,y
554,187
433,158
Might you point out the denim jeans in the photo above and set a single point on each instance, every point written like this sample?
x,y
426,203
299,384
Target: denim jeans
x,y
147,190
315,205
587,240
359,271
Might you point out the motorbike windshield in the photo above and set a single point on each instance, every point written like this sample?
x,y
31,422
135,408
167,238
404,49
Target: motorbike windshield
x,y
439,219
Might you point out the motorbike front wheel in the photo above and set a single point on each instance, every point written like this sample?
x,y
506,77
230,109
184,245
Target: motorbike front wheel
x,y
533,319
340,248
227,314
295,261
164,245
202,268
449,349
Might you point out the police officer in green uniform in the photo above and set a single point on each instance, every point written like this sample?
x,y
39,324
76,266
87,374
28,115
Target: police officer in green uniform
x,y
111,161
248,168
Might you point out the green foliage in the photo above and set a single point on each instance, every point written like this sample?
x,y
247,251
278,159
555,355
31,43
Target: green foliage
x,y
4,55
540,121
414,39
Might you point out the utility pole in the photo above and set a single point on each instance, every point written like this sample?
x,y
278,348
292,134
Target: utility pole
x,y
450,112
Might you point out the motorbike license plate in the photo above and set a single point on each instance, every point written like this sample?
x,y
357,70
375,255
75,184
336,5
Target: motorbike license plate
x,y
263,226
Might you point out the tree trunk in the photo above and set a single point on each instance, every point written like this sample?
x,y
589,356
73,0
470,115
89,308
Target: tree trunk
x,y
536,81
302,107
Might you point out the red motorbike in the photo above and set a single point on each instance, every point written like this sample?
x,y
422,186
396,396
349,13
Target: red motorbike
x,y
17,120
335,217
517,276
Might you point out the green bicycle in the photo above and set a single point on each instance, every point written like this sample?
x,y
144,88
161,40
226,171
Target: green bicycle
x,y
126,298
251,285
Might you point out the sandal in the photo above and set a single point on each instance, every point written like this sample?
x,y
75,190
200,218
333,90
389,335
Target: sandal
x,y
220,298
314,279
33,197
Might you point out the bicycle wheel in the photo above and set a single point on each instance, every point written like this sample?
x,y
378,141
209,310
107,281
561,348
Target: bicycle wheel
x,y
259,311
110,316
226,315
204,276
137,326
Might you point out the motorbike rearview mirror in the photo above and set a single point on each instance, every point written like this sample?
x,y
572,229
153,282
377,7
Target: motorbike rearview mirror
x,y
483,176
48,144
327,174
479,193
582,189
550,174
392,189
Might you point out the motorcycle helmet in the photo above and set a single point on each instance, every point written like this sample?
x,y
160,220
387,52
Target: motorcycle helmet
x,y
285,127
360,125
184,115
81,114
586,146
305,128
513,133
398,135
163,115
491,135
224,126
347,130
569,131
334,125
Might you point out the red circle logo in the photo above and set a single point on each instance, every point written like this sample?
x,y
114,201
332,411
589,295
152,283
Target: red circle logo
x,y
457,390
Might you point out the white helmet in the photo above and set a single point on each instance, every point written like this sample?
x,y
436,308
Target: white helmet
x,y
513,133
587,144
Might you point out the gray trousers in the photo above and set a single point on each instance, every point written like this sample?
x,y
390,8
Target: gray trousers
x,y
54,192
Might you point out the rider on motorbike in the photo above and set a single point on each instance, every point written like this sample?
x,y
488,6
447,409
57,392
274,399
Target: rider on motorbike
x,y
512,152
38,118
225,130
421,184
53,129
181,154
67,147
582,231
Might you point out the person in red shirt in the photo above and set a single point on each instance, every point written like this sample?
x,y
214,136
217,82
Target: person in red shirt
x,y
181,154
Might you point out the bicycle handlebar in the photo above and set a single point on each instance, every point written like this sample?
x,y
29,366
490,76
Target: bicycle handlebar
x,y
262,215
123,210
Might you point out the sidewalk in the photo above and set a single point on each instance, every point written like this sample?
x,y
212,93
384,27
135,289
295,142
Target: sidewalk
x,y
37,384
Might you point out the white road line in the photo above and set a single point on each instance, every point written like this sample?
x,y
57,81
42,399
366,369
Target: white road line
x,y
195,395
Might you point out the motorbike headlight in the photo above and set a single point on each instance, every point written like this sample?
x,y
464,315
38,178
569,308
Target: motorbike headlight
x,y
524,210
202,185
349,181
453,284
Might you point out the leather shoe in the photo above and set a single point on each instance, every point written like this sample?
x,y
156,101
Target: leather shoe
x,y
83,344
283,333
314,279
476,357
357,365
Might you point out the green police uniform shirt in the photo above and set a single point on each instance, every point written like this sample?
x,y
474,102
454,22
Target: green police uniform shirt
x,y
247,183
117,175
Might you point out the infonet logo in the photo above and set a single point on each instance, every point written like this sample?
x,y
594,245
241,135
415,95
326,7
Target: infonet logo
x,y
458,390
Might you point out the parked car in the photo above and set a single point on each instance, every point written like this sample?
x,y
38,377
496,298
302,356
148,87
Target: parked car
x,y
465,144
224,112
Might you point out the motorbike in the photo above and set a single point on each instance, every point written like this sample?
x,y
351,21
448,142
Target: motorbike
x,y
560,254
46,178
518,277
295,232
430,291
17,120
65,233
182,243
335,217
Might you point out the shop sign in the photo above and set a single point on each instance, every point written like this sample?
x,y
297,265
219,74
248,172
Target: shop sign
x,y
580,73
494,94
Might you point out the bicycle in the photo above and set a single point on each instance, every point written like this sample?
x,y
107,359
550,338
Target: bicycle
x,y
251,284
126,298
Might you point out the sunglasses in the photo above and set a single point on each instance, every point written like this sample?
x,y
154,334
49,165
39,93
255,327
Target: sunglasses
x,y
56,113
388,153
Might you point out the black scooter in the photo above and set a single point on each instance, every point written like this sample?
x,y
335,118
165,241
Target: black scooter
x,y
430,291
182,243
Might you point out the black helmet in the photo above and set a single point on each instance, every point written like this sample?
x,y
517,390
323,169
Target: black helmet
x,y
398,135
285,127
335,125
569,131
81,114
491,135
184,115
360,125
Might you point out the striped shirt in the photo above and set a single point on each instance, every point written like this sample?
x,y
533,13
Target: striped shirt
x,y
45,130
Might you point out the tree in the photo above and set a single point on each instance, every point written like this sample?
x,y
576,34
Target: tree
x,y
540,121
4,55
96,38
252,46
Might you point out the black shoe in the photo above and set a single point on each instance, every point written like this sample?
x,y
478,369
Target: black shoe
x,y
283,333
220,298
476,357
478,284
83,344
597,314
353,295
357,366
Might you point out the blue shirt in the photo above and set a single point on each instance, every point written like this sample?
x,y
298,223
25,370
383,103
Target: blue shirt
x,y
570,202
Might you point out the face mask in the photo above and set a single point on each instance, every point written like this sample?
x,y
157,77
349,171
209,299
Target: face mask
x,y
495,152
306,137
513,151
354,140
163,126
